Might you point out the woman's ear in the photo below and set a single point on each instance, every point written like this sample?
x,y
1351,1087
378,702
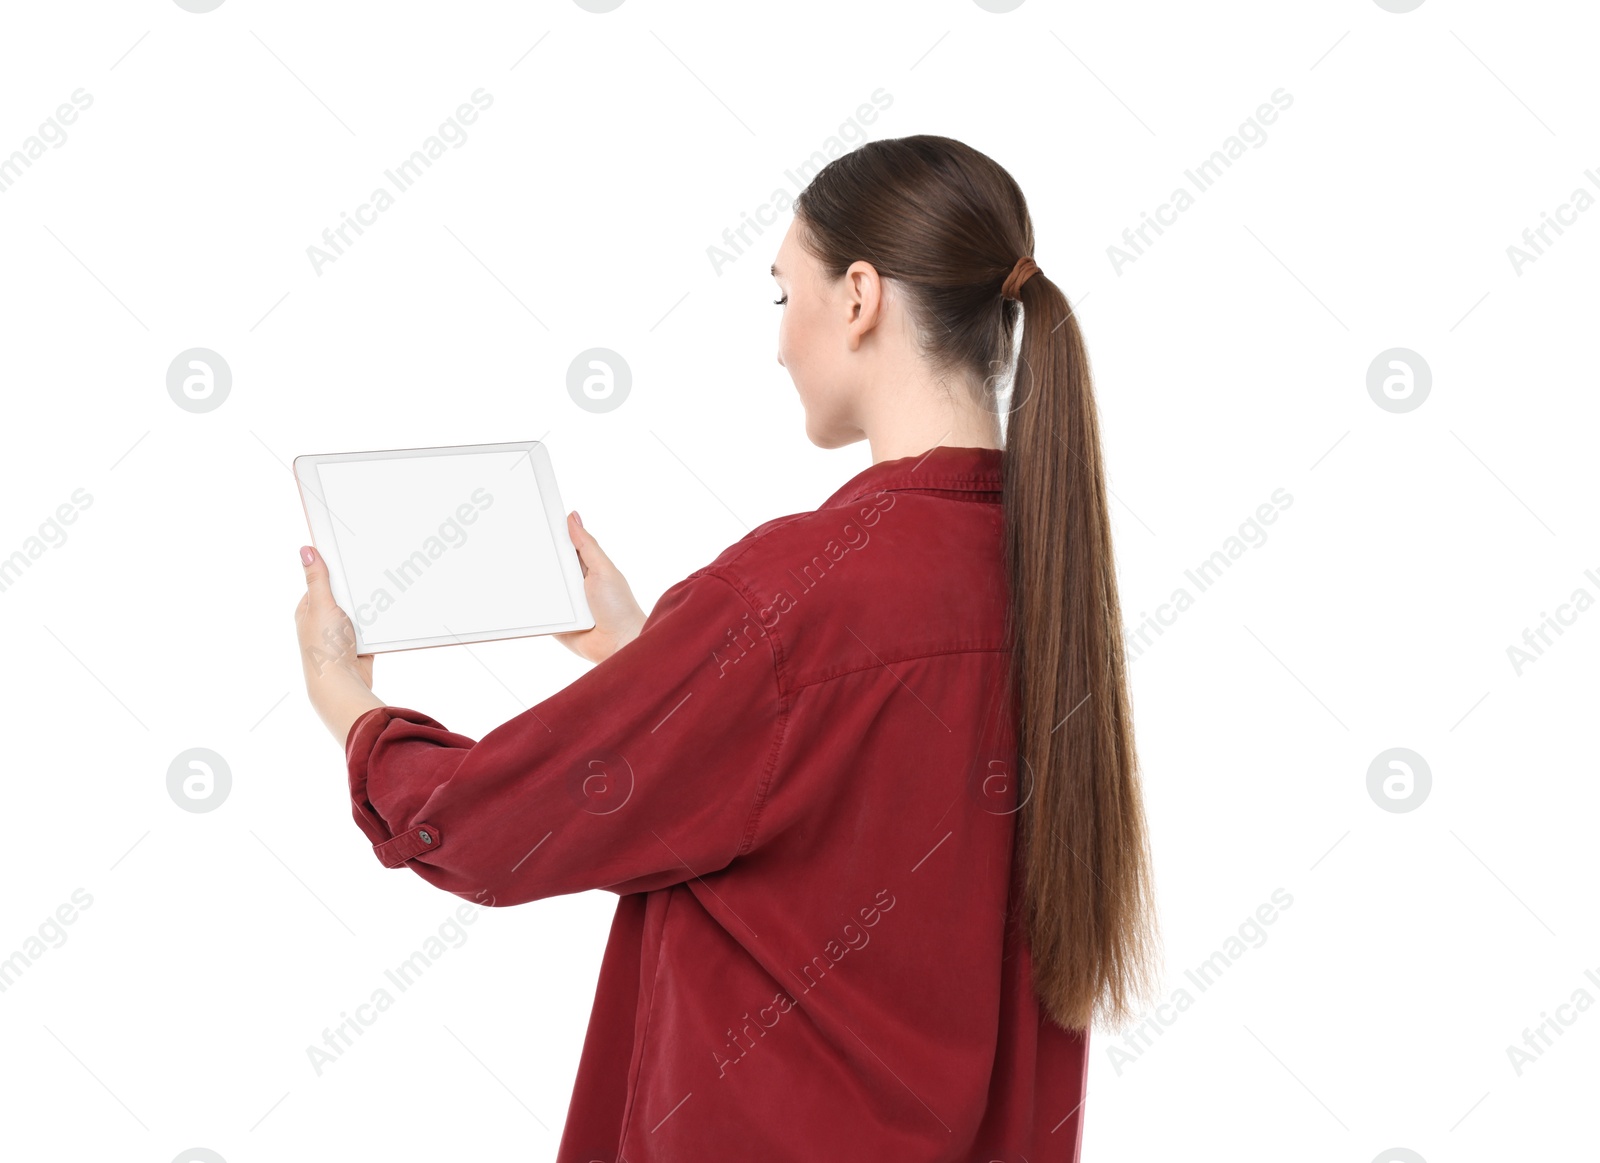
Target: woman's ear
x,y
863,301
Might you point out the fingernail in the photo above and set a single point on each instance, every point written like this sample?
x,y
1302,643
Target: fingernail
x,y
577,518
305,555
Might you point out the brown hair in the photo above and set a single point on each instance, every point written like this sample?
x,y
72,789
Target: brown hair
x,y
947,224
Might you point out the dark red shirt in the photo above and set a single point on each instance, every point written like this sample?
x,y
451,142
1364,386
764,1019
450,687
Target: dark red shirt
x,y
798,782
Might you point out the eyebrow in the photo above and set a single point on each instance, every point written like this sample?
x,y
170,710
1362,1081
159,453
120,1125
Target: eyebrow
x,y
774,270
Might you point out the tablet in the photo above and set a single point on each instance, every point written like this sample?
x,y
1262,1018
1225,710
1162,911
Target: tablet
x,y
435,546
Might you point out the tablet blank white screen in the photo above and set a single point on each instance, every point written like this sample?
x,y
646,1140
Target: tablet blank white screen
x,y
434,545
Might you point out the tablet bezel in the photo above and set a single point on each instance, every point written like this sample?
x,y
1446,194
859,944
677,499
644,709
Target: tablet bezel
x,y
320,521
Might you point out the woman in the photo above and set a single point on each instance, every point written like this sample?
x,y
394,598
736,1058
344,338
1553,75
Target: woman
x,y
865,785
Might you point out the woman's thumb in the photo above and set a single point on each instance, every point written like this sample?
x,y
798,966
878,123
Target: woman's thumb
x,y
316,576
589,551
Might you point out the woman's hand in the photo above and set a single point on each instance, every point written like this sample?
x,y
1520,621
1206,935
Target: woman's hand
x,y
617,617
338,680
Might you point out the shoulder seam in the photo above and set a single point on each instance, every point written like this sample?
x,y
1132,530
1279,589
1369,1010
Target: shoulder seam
x,y
734,583
772,527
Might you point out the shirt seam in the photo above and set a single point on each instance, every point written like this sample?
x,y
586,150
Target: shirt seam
x,y
848,670
906,484
649,1020
776,524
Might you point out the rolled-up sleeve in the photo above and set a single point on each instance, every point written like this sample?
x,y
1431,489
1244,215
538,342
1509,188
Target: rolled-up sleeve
x,y
649,770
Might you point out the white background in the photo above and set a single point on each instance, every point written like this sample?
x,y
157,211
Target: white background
x,y
1230,361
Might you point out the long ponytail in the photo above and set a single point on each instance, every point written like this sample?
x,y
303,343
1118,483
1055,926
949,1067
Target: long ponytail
x,y
948,223
1082,832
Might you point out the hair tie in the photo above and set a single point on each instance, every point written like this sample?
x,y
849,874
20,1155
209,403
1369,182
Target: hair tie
x,y
1019,274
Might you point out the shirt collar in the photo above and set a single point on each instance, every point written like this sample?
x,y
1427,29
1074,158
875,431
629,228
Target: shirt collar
x,y
943,467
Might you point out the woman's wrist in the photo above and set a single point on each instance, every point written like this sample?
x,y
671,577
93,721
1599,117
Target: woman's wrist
x,y
622,635
340,698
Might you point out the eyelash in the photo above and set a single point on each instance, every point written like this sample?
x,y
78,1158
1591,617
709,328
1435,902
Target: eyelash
x,y
780,302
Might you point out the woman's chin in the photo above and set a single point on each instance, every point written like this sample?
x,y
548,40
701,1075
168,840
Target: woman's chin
x,y
833,437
